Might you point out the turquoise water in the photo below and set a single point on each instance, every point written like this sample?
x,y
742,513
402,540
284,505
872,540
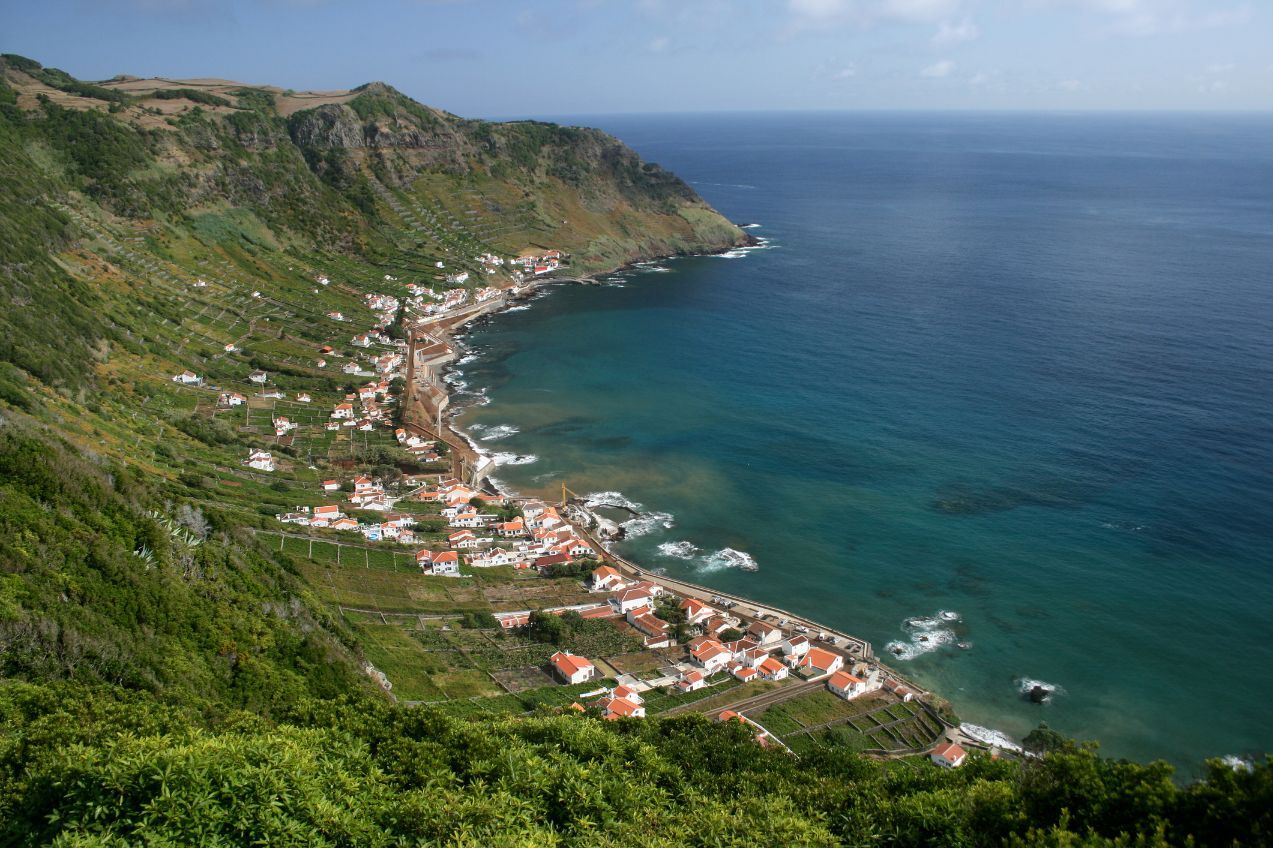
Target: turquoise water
x,y
1015,368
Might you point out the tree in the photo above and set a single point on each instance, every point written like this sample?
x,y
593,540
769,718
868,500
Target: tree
x,y
1044,739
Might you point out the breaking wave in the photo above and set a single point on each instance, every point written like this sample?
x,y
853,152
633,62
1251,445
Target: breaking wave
x,y
989,736
514,458
679,550
729,558
1025,686
596,499
927,634
648,523
499,431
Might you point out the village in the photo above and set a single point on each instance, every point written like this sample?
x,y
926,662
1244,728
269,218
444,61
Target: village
x,y
708,654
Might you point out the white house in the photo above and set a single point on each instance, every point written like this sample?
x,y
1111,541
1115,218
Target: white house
x,y
260,460
796,646
691,681
258,377
765,633
188,378
696,611
846,685
818,662
771,669
605,578
948,755
572,668
710,655
613,708
631,599
446,563
343,410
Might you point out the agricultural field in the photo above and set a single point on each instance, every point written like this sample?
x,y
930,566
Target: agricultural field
x,y
871,722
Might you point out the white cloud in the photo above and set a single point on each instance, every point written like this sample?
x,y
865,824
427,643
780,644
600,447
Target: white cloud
x,y
866,12
1070,85
1155,17
949,34
847,72
661,44
938,70
979,79
1220,68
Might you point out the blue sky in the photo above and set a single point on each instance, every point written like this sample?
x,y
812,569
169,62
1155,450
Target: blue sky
x,y
554,57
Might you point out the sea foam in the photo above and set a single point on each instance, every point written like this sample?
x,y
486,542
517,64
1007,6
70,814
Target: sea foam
x,y
647,523
679,550
927,634
729,558
499,431
514,458
596,499
989,736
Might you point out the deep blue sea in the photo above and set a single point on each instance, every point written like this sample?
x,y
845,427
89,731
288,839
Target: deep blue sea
x,y
1017,368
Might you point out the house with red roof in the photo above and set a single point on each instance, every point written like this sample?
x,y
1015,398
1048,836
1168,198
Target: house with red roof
x,y
948,755
627,693
710,655
605,578
691,681
616,708
632,599
846,685
764,632
445,563
795,646
818,662
696,611
771,669
572,668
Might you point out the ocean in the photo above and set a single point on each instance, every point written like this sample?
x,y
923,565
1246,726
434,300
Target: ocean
x,y
995,393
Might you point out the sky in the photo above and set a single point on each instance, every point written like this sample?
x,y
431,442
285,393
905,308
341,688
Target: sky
x,y
503,58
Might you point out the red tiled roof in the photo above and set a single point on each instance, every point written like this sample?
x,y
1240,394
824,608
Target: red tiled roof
x,y
569,664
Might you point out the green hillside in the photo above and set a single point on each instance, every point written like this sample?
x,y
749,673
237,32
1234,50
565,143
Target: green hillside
x,y
178,668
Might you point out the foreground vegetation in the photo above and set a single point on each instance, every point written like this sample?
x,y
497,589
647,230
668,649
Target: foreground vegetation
x,y
174,670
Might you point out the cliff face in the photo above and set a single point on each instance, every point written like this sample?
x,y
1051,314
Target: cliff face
x,y
368,169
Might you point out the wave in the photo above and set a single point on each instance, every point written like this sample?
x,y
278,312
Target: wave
x,y
501,487
750,227
643,525
989,736
729,558
679,550
499,431
1025,686
922,642
514,458
521,308
466,359
596,499
927,633
740,252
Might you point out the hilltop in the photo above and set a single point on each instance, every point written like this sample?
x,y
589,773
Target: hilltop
x,y
212,292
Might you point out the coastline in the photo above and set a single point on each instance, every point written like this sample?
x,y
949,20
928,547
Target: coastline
x,y
585,521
